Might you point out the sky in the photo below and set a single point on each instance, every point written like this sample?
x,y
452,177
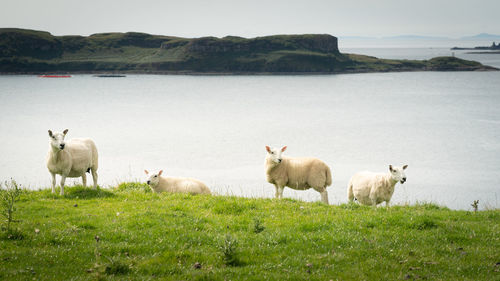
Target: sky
x,y
197,18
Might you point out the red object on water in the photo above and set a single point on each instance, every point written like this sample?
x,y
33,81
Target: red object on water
x,y
55,76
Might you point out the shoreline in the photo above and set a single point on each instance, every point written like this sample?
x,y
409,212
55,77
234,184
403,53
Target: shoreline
x,y
485,52
485,68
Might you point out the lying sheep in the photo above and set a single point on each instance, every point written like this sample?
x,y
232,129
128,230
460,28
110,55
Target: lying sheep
x,y
297,173
170,184
71,159
374,188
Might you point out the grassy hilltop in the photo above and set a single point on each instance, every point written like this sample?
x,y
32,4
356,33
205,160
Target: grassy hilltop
x,y
129,233
29,51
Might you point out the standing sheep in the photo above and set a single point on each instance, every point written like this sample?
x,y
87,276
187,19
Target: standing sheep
x,y
374,188
170,184
297,173
71,159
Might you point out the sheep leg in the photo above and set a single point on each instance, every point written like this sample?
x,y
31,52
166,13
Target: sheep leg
x,y
387,203
63,179
324,196
350,194
279,191
53,183
84,180
373,198
94,177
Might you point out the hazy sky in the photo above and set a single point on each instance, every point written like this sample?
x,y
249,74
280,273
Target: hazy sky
x,y
196,18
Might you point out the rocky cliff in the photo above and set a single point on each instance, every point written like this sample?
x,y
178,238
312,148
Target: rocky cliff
x,y
30,51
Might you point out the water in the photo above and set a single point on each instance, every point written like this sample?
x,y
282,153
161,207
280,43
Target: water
x,y
444,125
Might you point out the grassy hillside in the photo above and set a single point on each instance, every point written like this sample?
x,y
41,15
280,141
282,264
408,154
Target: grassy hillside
x,y
129,233
29,51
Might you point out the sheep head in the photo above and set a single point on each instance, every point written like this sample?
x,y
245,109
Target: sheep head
x,y
274,154
153,178
57,140
398,173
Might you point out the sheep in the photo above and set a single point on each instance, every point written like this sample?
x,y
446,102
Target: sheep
x,y
71,159
158,184
374,188
297,173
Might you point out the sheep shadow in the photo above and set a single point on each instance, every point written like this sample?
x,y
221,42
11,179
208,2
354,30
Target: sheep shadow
x,y
79,192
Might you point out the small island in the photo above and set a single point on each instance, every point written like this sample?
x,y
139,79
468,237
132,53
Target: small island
x,y
493,49
25,51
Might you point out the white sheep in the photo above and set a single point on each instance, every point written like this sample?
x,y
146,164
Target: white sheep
x,y
374,188
72,158
158,184
297,173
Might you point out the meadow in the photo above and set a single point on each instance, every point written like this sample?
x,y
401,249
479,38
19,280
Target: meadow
x,y
129,233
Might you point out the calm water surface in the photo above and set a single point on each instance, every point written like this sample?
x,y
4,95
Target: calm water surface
x,y
444,125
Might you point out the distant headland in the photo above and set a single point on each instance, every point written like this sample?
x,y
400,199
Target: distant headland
x,y
494,47
25,51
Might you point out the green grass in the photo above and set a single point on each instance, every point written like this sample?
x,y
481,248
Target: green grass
x,y
130,233
364,63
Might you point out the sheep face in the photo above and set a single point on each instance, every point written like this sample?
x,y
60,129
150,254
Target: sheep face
x,y
57,140
398,174
153,178
274,154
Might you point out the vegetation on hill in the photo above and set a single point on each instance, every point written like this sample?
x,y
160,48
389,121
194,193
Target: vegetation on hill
x,y
129,233
29,51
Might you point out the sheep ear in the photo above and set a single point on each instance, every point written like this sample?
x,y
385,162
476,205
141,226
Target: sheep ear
x,y
65,131
50,133
268,149
159,173
390,168
146,171
405,166
283,148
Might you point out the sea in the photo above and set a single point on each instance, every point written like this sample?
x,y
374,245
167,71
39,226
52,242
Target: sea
x,y
444,125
